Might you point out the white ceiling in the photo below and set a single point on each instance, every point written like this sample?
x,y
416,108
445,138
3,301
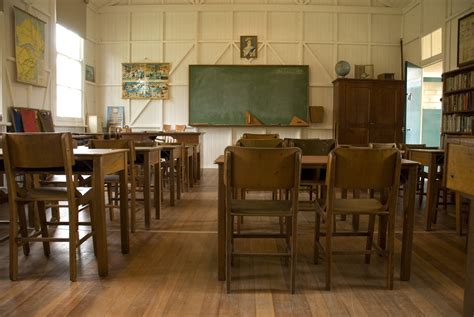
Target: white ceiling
x,y
388,3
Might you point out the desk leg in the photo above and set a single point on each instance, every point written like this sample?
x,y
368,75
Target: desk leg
x,y
172,177
146,189
179,176
469,286
409,192
100,227
221,226
430,194
158,189
124,223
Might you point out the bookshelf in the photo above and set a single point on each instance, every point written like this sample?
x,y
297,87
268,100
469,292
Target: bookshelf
x,y
458,101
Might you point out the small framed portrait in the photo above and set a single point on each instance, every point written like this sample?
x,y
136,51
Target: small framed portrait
x,y
466,40
248,46
90,73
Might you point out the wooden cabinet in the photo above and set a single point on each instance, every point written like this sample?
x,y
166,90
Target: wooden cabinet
x,y
458,104
368,111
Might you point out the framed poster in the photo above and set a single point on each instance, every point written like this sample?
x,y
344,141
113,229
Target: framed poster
x,y
248,46
90,73
145,80
466,40
30,49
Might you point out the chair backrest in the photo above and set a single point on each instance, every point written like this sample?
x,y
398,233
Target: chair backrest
x,y
115,144
38,152
259,136
166,127
262,168
363,168
180,127
383,145
267,143
313,146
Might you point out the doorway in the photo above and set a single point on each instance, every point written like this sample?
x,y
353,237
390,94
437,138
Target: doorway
x,y
423,105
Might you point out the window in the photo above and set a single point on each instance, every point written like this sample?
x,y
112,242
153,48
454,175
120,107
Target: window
x,y
431,44
68,74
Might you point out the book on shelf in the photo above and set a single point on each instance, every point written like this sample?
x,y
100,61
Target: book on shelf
x,y
457,123
459,81
459,102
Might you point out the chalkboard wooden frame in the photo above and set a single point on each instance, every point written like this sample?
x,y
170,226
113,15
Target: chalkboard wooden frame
x,y
281,88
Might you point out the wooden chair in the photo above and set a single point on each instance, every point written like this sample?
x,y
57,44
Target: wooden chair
x,y
268,143
112,182
383,145
314,179
360,169
167,127
20,152
260,136
262,169
180,127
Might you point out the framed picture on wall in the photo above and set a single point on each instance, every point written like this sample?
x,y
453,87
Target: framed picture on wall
x,y
90,73
248,46
466,40
145,80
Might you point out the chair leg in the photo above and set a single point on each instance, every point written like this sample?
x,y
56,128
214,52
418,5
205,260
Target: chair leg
x,y
329,226
73,240
93,218
13,250
293,221
458,207
317,235
23,228
228,245
370,237
44,227
422,192
391,244
110,201
382,238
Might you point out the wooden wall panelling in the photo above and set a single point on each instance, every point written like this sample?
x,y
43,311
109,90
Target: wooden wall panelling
x,y
287,35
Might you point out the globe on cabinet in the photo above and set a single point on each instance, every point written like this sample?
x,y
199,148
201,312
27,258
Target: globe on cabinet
x,y
342,68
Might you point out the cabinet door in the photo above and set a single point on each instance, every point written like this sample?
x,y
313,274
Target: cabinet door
x,y
386,114
354,114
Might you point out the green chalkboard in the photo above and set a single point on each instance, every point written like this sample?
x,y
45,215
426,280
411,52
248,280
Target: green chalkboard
x,y
222,94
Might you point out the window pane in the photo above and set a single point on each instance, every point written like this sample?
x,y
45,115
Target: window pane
x,y
68,43
68,72
426,46
69,102
436,42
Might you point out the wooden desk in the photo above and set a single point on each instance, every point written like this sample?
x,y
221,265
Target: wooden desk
x,y
411,169
100,162
151,157
459,176
175,153
432,159
181,137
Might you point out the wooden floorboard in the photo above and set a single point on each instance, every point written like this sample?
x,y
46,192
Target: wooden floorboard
x,y
172,271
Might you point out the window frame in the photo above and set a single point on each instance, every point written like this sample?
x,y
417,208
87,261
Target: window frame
x,y
69,121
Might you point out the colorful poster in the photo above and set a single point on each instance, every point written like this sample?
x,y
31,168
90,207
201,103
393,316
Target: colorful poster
x,y
145,80
29,49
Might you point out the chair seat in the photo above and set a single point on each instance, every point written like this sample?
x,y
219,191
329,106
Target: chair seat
x,y
112,178
55,193
274,208
362,206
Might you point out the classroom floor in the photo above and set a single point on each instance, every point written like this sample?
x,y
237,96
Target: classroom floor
x,y
172,271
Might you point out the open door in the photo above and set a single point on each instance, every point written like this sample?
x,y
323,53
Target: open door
x,y
414,82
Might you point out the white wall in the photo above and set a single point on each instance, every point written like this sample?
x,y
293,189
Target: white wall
x,y
425,16
23,95
318,34
13,92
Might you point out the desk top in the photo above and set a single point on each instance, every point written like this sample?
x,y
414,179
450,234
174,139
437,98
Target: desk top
x,y
82,151
432,151
316,161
